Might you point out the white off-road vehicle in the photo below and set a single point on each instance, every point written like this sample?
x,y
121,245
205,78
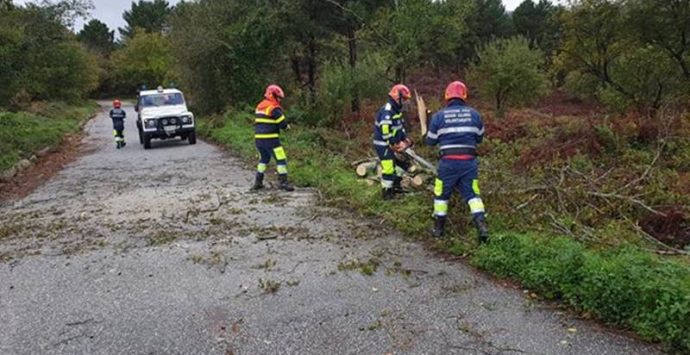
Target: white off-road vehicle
x,y
163,114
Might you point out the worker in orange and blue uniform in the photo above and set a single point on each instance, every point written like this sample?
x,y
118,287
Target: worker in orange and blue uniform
x,y
118,115
390,137
458,129
269,121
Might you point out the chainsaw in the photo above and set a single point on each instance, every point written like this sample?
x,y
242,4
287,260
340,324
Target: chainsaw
x,y
423,162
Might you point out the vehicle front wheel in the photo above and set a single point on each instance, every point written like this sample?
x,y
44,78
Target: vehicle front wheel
x,y
147,142
141,137
192,137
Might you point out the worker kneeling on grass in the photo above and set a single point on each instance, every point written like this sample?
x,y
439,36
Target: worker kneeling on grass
x,y
390,137
270,120
118,115
458,129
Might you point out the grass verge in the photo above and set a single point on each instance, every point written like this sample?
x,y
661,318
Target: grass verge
x,y
624,286
22,134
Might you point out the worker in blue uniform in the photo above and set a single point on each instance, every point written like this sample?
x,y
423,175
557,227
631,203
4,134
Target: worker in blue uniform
x,y
390,137
118,115
457,129
269,121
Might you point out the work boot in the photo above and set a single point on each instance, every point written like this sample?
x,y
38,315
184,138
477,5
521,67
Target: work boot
x,y
123,144
482,229
258,182
284,184
397,186
118,145
439,227
388,194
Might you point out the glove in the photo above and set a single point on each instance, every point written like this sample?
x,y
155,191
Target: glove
x,y
400,146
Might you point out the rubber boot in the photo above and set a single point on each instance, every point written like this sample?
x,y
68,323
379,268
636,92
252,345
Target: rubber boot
x,y
258,182
482,229
397,186
388,194
439,227
118,144
284,184
123,144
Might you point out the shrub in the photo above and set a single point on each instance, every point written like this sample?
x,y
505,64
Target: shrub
x,y
341,84
24,133
624,286
510,72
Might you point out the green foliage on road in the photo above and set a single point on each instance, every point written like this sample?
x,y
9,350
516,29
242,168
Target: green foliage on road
x,y
45,125
622,285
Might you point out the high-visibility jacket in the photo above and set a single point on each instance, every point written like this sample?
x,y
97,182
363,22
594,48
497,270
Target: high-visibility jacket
x,y
457,128
269,120
389,127
118,116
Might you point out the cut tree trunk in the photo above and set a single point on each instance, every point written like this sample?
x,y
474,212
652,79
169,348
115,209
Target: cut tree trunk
x,y
367,168
421,180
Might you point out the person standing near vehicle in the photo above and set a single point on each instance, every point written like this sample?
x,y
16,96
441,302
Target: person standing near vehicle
x,y
118,115
269,121
458,129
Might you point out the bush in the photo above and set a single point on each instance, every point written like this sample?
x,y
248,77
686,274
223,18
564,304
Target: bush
x,y
341,84
510,73
625,286
25,133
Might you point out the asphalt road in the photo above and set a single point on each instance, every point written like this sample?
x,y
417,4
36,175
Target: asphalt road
x,y
165,251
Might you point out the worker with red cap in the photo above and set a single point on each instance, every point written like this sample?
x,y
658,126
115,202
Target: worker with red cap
x,y
269,121
457,129
118,115
390,137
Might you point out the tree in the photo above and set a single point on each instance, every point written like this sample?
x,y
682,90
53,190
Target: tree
x,y
417,31
538,23
145,58
97,37
340,83
348,19
150,16
629,69
227,51
487,20
510,72
6,5
38,54
664,24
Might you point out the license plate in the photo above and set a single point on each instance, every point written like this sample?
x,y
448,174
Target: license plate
x,y
170,129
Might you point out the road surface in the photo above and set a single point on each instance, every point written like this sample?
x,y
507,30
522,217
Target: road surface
x,y
165,251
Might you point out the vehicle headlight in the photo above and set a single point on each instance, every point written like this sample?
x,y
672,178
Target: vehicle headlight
x,y
173,121
150,123
186,119
164,122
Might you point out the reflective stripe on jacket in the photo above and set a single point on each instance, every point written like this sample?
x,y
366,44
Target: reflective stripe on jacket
x,y
456,128
389,127
269,120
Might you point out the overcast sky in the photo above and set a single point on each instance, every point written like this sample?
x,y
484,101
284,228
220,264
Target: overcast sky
x,y
110,11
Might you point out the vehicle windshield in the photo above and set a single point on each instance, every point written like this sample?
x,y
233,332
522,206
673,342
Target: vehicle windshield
x,y
162,100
